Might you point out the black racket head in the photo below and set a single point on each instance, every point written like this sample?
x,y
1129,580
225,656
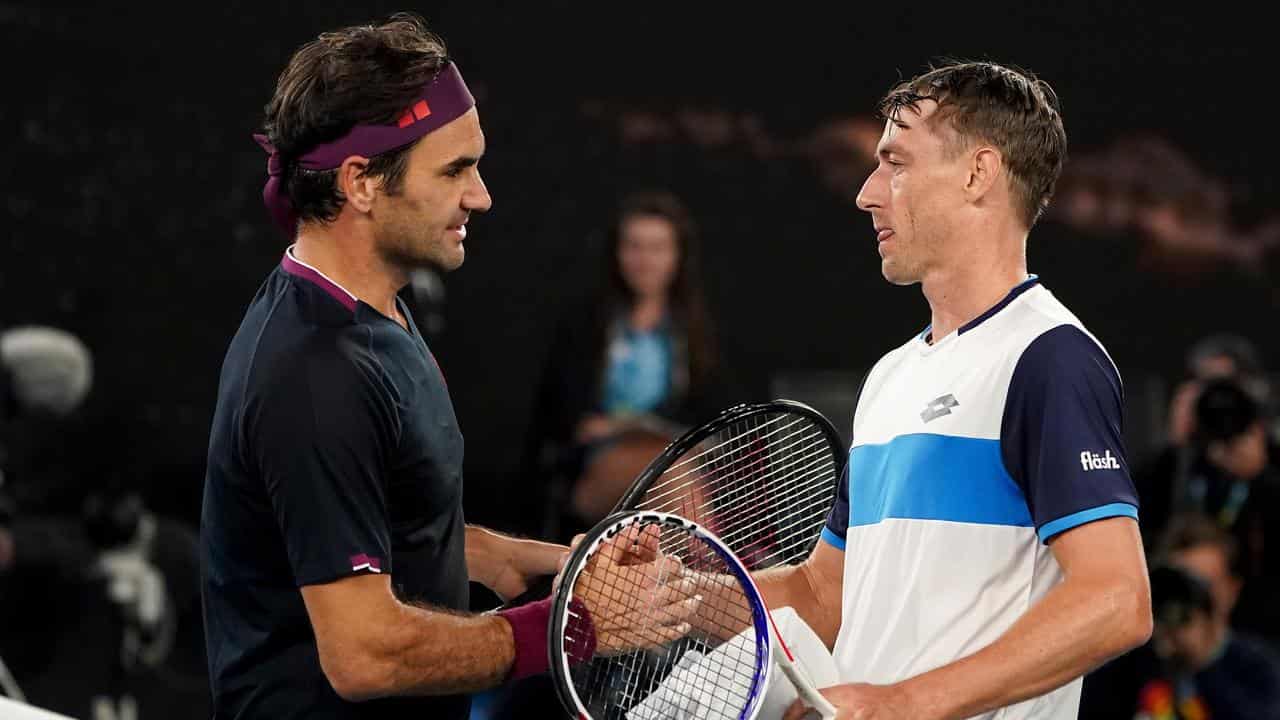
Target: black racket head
x,y
647,664
761,476
769,513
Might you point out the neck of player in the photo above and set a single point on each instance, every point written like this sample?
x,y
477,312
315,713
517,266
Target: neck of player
x,y
977,274
350,260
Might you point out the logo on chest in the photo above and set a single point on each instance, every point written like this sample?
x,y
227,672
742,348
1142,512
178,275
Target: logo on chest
x,y
938,407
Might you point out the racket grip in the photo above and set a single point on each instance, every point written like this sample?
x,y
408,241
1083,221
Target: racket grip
x,y
807,690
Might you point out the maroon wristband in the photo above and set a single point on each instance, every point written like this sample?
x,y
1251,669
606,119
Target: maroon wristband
x,y
529,625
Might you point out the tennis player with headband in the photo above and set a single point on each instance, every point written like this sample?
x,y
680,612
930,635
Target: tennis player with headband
x,y
334,556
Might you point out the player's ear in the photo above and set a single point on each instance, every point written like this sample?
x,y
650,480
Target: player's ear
x,y
985,168
355,184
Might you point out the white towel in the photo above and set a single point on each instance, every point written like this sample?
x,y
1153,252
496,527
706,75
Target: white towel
x,y
672,700
811,656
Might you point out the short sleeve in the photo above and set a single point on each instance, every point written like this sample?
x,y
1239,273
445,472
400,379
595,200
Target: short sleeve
x,y
837,526
1061,436
319,435
838,519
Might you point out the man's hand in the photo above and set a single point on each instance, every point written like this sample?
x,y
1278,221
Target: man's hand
x,y
859,701
507,565
637,597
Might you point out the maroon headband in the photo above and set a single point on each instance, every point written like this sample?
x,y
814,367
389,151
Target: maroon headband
x,y
445,99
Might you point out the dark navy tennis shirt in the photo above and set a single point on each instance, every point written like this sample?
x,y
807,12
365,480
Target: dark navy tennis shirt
x,y
334,451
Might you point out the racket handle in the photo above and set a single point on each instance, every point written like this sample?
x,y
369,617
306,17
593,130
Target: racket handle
x,y
807,690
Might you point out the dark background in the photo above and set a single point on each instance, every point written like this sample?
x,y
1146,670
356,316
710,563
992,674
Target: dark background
x,y
130,195
131,191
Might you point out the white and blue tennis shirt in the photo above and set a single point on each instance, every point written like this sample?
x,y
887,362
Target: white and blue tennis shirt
x,y
968,456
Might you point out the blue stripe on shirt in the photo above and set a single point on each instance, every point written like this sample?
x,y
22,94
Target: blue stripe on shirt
x,y
926,476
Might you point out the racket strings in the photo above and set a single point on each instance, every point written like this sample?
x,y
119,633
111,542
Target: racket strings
x,y
718,441
668,676
741,452
793,527
764,484
765,535
798,441
729,479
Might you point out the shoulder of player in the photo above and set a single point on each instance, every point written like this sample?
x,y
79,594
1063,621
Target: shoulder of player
x,y
316,358
1063,351
1038,330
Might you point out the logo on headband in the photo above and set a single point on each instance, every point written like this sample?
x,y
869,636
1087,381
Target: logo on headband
x,y
418,112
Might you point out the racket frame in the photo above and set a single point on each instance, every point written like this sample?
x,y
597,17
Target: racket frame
x,y
630,500
768,640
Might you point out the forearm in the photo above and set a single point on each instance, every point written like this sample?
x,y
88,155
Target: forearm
x,y
504,564
372,645
484,552
434,652
723,613
1074,628
801,588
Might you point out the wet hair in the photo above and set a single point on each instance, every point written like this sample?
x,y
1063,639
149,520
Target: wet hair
x,y
1007,107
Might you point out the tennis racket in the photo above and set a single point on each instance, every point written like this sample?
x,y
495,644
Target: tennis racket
x,y
762,476
651,662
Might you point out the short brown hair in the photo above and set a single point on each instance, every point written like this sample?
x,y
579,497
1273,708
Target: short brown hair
x,y
1008,107
364,74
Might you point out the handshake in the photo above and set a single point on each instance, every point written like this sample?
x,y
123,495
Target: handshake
x,y
657,619
637,596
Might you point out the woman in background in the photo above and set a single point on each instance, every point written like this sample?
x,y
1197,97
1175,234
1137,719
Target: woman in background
x,y
630,370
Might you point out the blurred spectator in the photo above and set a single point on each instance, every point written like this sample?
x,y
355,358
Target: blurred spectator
x,y
1230,472
97,594
45,374
1216,356
1212,357
1196,665
627,369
